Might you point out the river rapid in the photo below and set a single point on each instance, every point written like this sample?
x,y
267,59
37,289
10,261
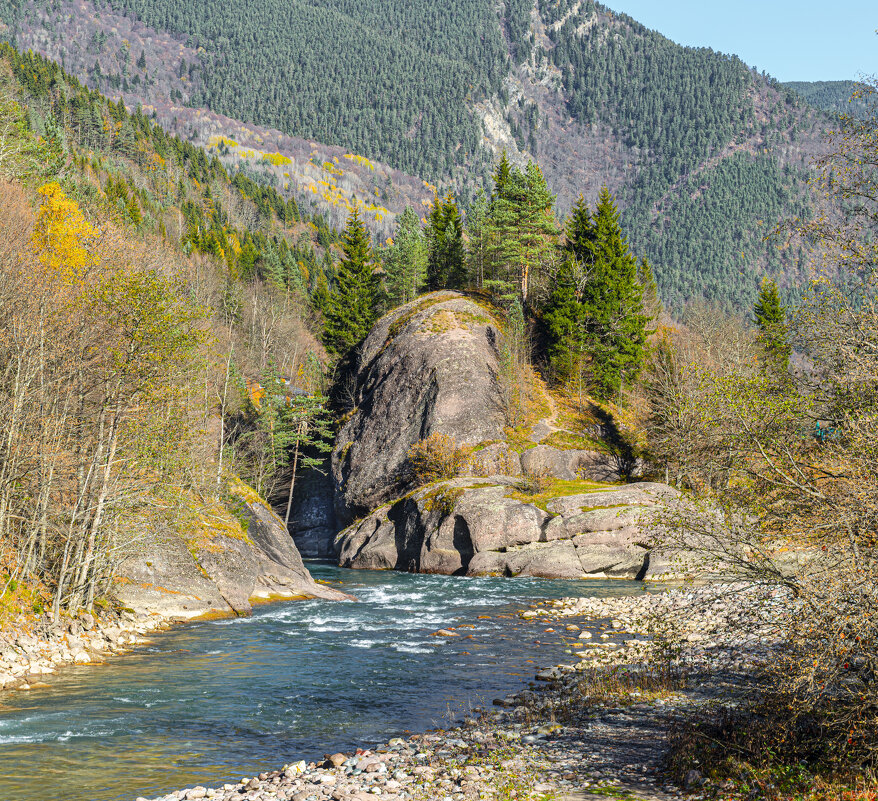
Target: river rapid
x,y
211,702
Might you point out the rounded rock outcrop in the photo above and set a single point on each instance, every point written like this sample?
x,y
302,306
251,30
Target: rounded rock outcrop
x,y
428,367
471,526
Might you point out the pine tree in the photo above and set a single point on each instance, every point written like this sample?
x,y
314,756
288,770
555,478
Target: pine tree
x,y
612,298
523,227
773,336
350,311
537,227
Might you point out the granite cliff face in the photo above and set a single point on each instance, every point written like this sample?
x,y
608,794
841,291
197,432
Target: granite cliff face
x,y
428,367
433,366
219,567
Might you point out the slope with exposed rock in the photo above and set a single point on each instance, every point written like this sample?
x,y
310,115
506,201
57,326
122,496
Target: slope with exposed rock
x,y
704,153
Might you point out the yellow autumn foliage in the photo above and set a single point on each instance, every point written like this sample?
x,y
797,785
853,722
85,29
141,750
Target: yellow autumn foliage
x,y
277,159
63,239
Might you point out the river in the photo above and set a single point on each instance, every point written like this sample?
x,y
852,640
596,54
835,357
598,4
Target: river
x,y
211,702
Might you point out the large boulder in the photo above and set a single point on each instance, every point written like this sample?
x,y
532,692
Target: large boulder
x,y
470,526
428,367
570,464
219,563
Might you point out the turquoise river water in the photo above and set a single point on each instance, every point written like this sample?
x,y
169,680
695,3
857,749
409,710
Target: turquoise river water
x,y
211,702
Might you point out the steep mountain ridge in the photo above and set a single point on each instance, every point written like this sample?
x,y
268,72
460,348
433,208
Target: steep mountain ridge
x,y
704,154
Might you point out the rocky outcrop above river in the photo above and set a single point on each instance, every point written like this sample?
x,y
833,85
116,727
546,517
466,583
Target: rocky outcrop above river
x,y
471,526
428,367
433,367
219,564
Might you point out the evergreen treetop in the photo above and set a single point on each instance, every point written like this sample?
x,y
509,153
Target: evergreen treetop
x,y
609,300
770,317
350,310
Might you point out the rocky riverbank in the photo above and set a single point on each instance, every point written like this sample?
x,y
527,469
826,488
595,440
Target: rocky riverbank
x,y
40,647
222,567
572,734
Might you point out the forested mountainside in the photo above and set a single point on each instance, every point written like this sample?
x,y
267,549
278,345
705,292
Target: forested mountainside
x,y
147,300
704,154
835,97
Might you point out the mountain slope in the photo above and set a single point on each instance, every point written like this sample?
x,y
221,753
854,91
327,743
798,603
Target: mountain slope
x,y
704,155
137,280
388,79
834,97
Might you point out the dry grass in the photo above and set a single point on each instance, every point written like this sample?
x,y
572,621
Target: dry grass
x,y
630,685
556,488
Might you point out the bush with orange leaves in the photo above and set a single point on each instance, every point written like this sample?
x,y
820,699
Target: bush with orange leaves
x,y
437,458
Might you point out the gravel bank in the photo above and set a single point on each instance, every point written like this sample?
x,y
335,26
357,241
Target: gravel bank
x,y
28,655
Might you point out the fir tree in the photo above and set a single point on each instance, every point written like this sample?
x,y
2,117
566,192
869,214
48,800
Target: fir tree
x,y
773,336
350,311
611,299
405,261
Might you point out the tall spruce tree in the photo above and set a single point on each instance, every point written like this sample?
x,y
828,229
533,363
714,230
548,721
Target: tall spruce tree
x,y
405,261
771,320
446,267
564,322
350,310
610,299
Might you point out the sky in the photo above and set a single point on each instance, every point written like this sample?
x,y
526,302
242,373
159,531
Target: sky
x,y
792,41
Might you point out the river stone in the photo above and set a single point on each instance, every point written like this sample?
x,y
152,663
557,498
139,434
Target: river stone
x,y
427,367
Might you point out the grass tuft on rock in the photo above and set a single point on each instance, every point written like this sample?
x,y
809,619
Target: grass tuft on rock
x,y
557,488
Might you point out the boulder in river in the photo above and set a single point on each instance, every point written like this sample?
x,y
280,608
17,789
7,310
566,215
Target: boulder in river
x,y
216,564
472,526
